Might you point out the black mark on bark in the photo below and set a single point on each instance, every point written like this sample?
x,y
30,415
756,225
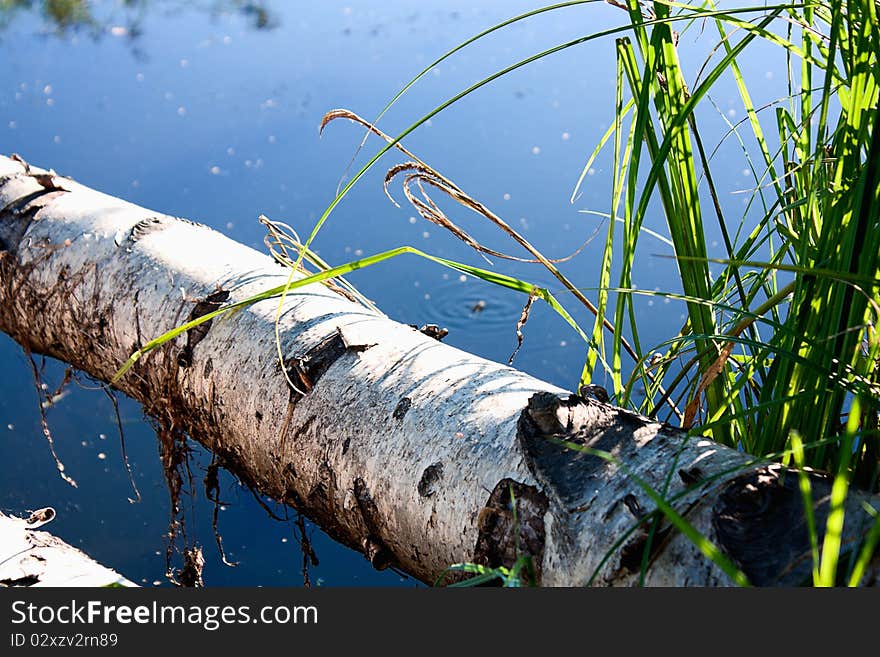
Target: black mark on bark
x,y
305,426
196,334
432,331
690,476
633,506
17,216
305,370
144,227
27,580
596,392
429,480
632,554
374,549
289,474
402,407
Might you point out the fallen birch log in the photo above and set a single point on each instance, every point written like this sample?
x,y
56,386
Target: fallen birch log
x,y
29,557
394,443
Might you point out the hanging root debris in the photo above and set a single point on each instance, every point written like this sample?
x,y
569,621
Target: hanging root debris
x,y
174,455
112,397
309,557
300,533
193,565
44,423
212,491
60,391
265,507
523,318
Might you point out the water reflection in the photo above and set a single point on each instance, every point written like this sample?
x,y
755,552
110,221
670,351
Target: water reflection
x,y
126,18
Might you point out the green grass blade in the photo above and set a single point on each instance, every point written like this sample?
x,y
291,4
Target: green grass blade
x,y
797,451
839,489
495,278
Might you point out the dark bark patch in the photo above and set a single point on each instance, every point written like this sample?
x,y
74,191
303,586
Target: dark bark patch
x,y
258,415
632,554
322,502
691,476
610,510
374,548
631,502
759,522
432,331
196,334
507,532
402,407
318,495
366,504
27,580
288,476
429,479
596,392
376,553
209,367
552,429
305,370
305,426
17,216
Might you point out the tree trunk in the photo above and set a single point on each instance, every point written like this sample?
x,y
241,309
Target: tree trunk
x,y
394,443
37,558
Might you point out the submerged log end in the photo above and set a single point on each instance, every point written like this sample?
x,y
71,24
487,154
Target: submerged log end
x,y
593,463
759,521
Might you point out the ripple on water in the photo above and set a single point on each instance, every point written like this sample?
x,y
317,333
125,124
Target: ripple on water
x,y
471,305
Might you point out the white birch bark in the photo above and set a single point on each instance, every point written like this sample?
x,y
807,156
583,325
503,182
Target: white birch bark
x,y
402,447
31,557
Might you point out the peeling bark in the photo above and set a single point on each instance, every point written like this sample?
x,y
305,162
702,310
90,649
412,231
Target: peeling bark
x,y
416,453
